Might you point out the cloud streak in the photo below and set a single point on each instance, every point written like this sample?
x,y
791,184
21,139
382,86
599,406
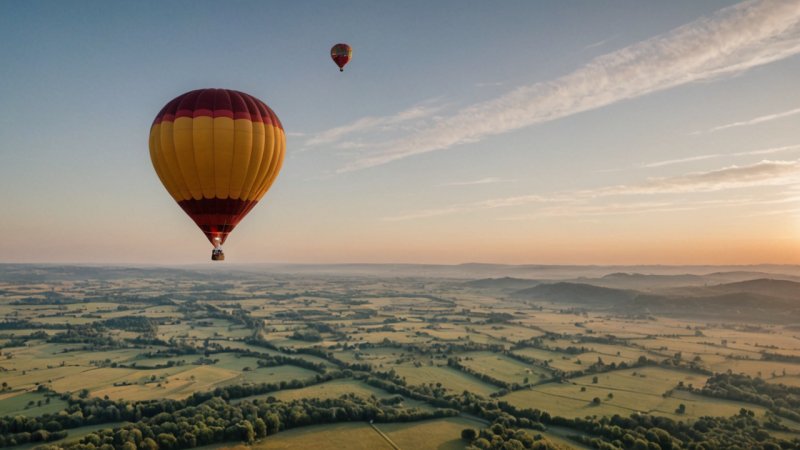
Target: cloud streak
x,y
756,121
764,173
369,124
764,151
729,42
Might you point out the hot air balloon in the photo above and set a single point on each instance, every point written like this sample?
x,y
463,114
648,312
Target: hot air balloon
x,y
217,152
341,54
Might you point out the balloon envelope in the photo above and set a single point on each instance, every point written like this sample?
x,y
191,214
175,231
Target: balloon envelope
x,y
341,54
217,152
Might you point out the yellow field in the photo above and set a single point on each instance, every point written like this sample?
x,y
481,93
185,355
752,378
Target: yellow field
x,y
789,380
451,379
560,361
179,385
345,436
756,367
631,393
438,434
331,389
510,333
503,368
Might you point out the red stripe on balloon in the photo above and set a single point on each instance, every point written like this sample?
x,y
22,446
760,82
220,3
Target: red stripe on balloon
x,y
218,103
217,217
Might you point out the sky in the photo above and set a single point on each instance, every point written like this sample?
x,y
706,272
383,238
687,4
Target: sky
x,y
577,132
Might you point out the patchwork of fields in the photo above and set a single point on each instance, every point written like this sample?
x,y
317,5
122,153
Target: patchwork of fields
x,y
406,345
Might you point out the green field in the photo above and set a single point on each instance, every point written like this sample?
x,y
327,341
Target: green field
x,y
17,403
440,434
345,436
640,393
450,378
331,389
503,368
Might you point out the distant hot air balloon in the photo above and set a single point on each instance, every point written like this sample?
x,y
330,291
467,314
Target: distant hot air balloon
x,y
217,152
341,54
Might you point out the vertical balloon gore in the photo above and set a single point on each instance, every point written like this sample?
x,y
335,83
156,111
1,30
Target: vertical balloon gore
x,y
341,55
217,152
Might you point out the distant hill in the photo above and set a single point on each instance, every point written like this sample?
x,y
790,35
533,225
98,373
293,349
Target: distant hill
x,y
505,283
527,271
785,289
655,282
776,289
762,299
742,275
37,273
624,280
585,294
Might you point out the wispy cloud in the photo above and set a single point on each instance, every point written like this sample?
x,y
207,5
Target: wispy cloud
x,y
764,173
754,121
599,43
370,124
487,180
763,151
729,42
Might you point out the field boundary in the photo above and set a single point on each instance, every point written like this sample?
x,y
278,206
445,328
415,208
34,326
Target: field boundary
x,y
384,436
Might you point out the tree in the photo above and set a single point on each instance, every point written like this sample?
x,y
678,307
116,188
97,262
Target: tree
x,y
468,434
482,443
167,441
261,428
149,444
273,423
248,432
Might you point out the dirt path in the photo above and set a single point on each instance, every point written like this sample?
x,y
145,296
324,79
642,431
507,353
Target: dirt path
x,y
384,436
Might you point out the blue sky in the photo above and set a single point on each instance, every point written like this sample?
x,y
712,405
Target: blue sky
x,y
543,132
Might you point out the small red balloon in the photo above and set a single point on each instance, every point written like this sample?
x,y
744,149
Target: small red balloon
x,y
341,54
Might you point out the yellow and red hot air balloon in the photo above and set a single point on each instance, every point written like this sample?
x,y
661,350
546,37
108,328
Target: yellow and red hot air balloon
x,y
341,54
217,152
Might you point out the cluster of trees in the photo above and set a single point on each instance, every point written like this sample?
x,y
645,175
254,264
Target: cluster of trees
x,y
780,399
767,356
202,418
498,437
280,360
646,432
308,335
93,338
10,324
137,324
181,425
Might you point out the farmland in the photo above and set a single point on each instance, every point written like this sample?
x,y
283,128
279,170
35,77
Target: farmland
x,y
322,354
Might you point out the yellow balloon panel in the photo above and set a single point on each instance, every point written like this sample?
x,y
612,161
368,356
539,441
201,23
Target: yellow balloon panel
x,y
183,141
257,155
206,157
